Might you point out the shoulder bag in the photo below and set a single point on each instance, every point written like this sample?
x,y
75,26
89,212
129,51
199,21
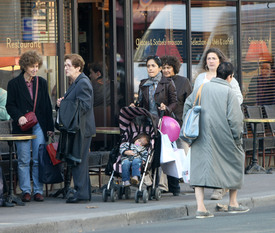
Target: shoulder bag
x,y
190,127
30,116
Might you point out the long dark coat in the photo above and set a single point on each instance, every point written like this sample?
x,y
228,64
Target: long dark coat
x,y
217,156
82,90
19,102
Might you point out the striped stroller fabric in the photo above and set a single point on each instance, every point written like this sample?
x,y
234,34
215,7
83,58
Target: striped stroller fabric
x,y
129,129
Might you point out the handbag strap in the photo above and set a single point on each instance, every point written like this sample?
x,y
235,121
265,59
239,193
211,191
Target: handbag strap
x,y
36,90
198,96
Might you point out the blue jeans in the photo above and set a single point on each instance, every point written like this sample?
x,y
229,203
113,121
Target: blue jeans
x,y
126,165
24,158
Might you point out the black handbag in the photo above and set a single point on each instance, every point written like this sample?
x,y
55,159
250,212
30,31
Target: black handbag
x,y
48,173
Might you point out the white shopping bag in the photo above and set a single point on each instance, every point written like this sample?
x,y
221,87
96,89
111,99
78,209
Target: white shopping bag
x,y
166,154
175,168
186,167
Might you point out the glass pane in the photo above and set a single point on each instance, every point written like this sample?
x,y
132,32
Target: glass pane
x,y
159,29
94,47
258,44
31,25
213,24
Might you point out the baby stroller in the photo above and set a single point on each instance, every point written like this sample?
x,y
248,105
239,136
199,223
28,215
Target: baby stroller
x,y
133,121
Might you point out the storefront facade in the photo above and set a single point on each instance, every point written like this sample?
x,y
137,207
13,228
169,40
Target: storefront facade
x,y
119,35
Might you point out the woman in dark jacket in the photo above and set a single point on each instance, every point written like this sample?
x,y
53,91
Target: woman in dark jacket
x,y
170,69
20,100
156,92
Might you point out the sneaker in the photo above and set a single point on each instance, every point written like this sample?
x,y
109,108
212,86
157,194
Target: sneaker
x,y
126,183
218,194
134,180
235,210
202,214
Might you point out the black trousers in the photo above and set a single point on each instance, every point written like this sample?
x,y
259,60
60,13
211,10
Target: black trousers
x,y
173,184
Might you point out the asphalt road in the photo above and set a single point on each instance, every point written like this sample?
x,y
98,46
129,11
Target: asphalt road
x,y
258,220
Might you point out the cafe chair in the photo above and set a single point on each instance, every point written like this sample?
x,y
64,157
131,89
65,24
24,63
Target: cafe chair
x,y
247,145
256,112
270,113
97,163
6,128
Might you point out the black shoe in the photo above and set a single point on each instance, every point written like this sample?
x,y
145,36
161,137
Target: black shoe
x,y
72,200
176,193
76,200
8,204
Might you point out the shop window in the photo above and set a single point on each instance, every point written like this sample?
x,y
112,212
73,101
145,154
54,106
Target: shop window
x,y
32,25
159,29
258,49
213,24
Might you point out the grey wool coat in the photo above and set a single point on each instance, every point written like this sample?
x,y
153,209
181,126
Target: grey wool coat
x,y
217,156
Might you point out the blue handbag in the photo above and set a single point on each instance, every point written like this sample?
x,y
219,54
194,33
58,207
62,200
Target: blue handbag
x,y
190,127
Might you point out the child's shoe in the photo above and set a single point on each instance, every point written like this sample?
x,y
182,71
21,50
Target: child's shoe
x,y
126,183
134,180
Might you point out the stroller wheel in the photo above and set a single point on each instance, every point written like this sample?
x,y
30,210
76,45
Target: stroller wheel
x,y
113,195
104,195
157,194
145,196
137,197
127,191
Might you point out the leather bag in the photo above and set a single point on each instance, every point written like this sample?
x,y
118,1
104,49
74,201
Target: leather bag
x,y
30,116
51,149
190,127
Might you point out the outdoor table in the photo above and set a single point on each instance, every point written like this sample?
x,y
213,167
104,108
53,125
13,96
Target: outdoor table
x,y
11,198
254,167
107,130
114,131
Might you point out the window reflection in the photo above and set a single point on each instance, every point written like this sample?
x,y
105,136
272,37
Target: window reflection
x,y
258,49
159,29
213,24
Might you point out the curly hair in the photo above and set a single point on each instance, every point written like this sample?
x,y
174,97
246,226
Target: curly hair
x,y
219,53
77,60
30,58
171,61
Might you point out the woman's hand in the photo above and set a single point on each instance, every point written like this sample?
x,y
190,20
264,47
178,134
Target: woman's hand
x,y
22,120
132,105
50,134
59,101
162,107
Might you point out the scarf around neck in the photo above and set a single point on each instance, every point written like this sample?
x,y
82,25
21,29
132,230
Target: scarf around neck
x,y
155,80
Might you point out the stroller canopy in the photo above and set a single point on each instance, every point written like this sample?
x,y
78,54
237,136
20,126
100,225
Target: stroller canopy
x,y
134,120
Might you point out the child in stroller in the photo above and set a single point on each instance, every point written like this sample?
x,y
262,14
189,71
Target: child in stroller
x,y
133,155
134,121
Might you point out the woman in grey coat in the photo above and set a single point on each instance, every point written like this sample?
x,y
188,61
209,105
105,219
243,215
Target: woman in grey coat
x,y
217,157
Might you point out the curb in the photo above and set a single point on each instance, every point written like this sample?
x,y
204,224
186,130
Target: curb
x,y
144,215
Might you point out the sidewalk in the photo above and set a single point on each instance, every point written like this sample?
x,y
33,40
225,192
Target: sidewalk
x,y
54,215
